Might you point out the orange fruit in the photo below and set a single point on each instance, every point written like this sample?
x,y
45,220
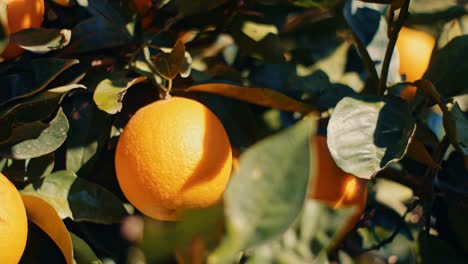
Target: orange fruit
x,y
415,48
13,223
334,187
22,14
173,155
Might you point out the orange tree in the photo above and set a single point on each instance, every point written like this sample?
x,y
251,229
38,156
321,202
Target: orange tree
x,y
250,131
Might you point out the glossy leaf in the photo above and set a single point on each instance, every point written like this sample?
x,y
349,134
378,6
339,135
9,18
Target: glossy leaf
x,y
36,139
260,96
89,131
77,198
30,169
365,135
41,40
82,252
44,216
30,110
456,127
33,81
109,94
168,65
448,67
268,191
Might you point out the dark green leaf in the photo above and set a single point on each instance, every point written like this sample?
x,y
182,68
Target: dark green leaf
x,y
168,65
268,191
26,84
30,169
77,198
30,110
365,135
109,93
434,250
47,138
456,127
82,252
448,67
89,131
93,34
41,40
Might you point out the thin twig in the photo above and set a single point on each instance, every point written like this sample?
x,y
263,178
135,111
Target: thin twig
x,y
394,31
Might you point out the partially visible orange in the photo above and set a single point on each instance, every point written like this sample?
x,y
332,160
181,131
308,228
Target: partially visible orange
x,y
22,14
13,223
64,2
334,187
415,48
173,155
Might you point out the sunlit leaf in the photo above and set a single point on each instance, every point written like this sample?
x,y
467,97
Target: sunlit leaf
x,y
168,65
82,252
77,198
268,191
36,139
44,216
41,40
456,127
260,96
109,94
365,135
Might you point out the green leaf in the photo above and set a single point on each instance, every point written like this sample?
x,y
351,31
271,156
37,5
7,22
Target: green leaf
x,y
4,34
41,40
26,84
260,96
434,250
30,169
82,252
89,131
36,139
31,110
456,127
168,65
267,193
109,93
77,199
448,67
365,135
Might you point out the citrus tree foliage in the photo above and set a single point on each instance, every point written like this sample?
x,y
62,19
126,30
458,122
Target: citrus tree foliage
x,y
276,73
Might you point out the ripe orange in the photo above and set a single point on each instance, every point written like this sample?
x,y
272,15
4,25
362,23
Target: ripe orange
x,y
415,49
22,14
64,2
334,187
13,223
173,155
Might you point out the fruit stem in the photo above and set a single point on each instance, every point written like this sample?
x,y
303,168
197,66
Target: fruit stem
x,y
394,28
